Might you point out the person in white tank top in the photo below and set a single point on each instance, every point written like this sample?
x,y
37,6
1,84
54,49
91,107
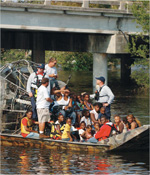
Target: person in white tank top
x,y
121,127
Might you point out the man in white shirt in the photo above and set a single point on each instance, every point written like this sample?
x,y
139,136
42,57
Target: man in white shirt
x,y
42,105
105,95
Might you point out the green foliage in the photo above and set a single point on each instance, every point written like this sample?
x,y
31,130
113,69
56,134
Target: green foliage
x,y
139,44
72,60
14,55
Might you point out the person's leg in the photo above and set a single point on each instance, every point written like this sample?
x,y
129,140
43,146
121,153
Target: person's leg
x,y
73,116
32,135
107,111
92,140
33,103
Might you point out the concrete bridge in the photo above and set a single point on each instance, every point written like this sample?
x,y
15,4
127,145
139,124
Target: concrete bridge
x,y
104,32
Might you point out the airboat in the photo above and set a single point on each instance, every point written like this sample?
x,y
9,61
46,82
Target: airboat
x,y
15,101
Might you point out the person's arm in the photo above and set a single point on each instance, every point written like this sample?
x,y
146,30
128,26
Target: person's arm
x,y
121,127
85,104
133,125
60,91
92,117
110,95
83,135
28,88
29,130
58,128
69,105
49,100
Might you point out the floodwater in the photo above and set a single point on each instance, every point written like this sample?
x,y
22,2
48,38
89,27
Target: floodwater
x,y
39,161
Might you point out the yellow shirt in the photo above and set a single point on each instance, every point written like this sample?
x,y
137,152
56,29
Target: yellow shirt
x,y
65,134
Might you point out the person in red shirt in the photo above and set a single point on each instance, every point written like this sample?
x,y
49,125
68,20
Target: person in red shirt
x,y
26,126
105,131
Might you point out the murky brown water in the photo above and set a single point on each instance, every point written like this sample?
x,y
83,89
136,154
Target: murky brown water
x,y
18,160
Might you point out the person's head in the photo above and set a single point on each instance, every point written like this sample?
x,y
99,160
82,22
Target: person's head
x,y
67,93
125,120
29,114
60,117
97,126
130,118
68,121
100,81
88,128
85,113
40,68
96,107
102,110
52,62
117,119
103,119
82,125
86,97
45,81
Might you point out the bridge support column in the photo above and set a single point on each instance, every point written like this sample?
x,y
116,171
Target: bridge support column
x,y
99,67
38,52
126,62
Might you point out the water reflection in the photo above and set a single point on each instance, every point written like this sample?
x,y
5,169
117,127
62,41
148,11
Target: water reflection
x,y
39,161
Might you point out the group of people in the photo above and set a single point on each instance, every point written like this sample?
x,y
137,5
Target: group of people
x,y
69,116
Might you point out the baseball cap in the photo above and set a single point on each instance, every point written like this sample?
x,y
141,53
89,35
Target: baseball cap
x,y
101,78
42,66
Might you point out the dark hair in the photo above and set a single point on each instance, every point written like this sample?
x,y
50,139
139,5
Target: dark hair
x,y
84,112
104,116
96,123
45,80
68,118
82,122
96,104
60,115
29,110
85,95
88,126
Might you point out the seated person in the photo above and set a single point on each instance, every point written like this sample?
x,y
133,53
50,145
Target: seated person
x,y
86,135
26,126
66,136
86,117
133,122
94,113
57,127
121,127
97,127
125,121
87,104
81,130
102,112
105,131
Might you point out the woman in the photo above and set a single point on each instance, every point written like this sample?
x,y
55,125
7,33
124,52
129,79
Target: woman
x,y
133,122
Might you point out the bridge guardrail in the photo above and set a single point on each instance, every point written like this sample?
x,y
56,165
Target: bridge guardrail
x,y
121,4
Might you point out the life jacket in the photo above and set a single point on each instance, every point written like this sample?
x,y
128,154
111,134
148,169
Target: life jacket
x,y
29,125
37,82
54,132
113,130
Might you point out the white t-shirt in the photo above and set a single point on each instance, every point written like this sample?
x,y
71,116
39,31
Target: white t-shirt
x,y
81,131
86,120
50,70
42,94
95,114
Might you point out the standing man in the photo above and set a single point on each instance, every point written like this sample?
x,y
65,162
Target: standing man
x,y
105,95
33,83
51,71
42,104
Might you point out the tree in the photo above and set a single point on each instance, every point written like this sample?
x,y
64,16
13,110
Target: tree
x,y
139,44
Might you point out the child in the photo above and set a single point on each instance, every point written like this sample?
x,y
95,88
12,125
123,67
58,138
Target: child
x,y
87,104
97,127
81,131
66,134
102,112
121,127
94,113
86,117
26,126
57,128
88,133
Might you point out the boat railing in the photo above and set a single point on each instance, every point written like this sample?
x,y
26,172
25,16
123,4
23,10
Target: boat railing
x,y
114,4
